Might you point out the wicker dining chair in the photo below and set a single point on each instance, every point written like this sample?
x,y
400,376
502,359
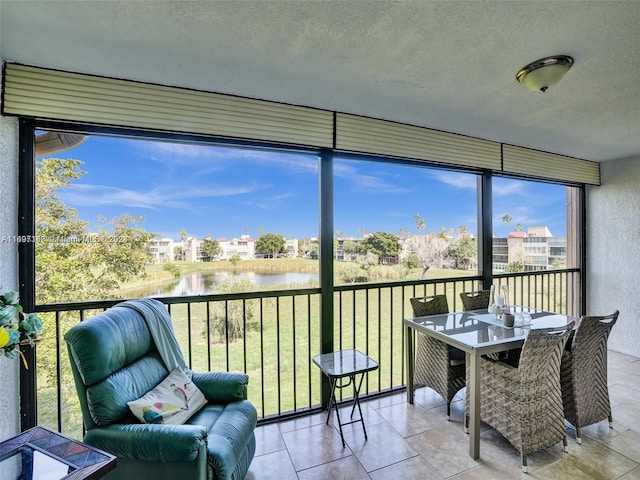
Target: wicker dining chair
x,y
475,300
437,365
523,401
583,373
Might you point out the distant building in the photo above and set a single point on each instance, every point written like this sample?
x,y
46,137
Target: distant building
x,y
537,249
291,247
165,250
162,250
244,247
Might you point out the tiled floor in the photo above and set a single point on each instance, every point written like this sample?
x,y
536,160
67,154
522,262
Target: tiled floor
x,y
415,441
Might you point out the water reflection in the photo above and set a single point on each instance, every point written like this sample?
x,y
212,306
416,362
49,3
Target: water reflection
x,y
203,283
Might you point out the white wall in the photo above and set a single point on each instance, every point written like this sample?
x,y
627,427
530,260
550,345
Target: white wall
x,y
613,251
9,369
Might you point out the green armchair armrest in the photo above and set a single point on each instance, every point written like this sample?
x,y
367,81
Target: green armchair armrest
x,y
150,442
222,387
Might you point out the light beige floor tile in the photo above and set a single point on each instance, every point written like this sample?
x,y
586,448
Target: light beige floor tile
x,y
633,475
627,444
387,400
446,449
617,360
370,415
627,415
598,431
410,469
313,446
428,398
344,469
595,460
490,470
410,420
623,394
305,421
268,439
495,447
272,466
441,449
383,447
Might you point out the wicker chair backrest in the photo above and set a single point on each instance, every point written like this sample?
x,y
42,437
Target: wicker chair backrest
x,y
475,300
590,339
542,352
432,305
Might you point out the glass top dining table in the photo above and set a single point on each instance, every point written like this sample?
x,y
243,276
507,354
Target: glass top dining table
x,y
477,333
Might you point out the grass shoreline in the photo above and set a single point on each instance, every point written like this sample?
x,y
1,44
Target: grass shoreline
x,y
156,276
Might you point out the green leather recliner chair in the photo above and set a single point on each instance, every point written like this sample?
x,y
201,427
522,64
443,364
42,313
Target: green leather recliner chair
x,y
123,353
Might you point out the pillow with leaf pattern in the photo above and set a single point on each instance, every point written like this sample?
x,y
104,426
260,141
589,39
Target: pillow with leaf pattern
x,y
172,401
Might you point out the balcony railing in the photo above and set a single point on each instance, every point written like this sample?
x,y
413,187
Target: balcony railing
x,y
273,335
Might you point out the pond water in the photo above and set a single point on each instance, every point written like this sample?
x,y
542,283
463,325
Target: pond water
x,y
202,284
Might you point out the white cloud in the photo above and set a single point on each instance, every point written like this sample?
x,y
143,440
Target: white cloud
x,y
508,187
370,183
182,153
162,196
271,202
455,179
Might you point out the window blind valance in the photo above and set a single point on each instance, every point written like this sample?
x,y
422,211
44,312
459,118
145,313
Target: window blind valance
x,y
368,135
88,99
529,162
79,98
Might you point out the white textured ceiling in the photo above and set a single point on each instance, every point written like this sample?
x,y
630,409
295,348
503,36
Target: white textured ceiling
x,y
446,65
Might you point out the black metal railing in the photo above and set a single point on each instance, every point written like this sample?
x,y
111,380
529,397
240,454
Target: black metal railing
x,y
273,336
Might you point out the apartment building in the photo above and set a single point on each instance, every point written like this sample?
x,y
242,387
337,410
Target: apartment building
x,y
166,250
536,249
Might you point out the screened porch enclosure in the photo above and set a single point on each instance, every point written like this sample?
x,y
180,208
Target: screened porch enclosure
x,y
291,326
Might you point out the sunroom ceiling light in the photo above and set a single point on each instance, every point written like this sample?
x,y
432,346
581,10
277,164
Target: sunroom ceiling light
x,y
541,74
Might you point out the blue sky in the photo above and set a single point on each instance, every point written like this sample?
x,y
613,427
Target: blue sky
x,y
227,192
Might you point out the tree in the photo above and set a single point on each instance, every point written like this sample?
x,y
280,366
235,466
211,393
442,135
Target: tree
x,y
411,261
351,273
270,244
210,249
231,319
367,262
180,251
73,263
234,260
464,250
431,249
351,248
307,248
172,268
516,266
381,244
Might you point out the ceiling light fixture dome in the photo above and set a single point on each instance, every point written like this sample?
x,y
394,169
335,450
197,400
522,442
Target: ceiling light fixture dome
x,y
541,74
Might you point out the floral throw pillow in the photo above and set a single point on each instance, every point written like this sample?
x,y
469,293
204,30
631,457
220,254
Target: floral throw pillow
x,y
172,401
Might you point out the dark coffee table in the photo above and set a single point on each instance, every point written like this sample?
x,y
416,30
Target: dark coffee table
x,y
40,451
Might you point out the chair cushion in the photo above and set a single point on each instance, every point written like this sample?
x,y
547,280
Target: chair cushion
x,y
107,400
231,429
172,401
456,356
110,341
